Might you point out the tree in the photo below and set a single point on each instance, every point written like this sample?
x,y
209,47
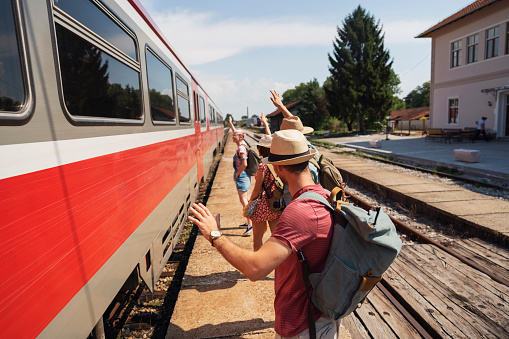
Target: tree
x,y
394,82
226,118
295,94
361,72
419,97
312,109
338,104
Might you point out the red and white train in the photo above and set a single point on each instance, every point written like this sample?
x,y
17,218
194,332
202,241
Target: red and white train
x,y
104,137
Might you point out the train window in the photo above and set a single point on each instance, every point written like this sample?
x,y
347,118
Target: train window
x,y
12,77
91,13
94,83
196,113
183,101
182,86
211,115
203,115
183,109
160,85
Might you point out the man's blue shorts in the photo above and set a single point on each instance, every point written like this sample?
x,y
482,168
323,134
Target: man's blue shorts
x,y
242,182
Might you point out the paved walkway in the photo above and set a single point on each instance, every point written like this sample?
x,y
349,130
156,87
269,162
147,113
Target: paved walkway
x,y
494,155
216,300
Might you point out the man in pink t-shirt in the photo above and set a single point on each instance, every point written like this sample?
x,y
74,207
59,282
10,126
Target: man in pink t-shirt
x,y
305,224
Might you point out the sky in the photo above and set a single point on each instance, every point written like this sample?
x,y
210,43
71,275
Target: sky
x,y
239,50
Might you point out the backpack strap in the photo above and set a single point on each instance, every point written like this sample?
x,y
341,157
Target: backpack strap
x,y
276,178
302,259
305,266
314,162
316,196
305,276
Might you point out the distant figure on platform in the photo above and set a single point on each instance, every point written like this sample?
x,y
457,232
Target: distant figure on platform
x,y
305,223
481,128
240,176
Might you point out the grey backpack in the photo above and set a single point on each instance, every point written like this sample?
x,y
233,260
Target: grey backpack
x,y
364,245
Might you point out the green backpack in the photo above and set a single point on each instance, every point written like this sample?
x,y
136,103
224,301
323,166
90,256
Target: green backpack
x,y
328,173
253,160
364,245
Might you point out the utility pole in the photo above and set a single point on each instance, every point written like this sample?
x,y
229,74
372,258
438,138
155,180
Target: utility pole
x,y
247,112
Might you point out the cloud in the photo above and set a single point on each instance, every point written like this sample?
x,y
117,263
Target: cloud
x,y
201,37
405,31
235,96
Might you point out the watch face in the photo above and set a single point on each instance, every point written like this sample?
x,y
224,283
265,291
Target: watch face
x,y
215,234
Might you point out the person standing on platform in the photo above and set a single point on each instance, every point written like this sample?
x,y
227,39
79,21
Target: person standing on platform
x,y
263,189
293,122
305,224
240,176
481,128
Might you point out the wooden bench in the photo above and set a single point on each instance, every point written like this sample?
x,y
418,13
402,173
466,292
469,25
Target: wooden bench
x,y
453,133
437,134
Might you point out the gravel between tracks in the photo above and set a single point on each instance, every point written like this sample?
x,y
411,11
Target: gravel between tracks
x,y
433,228
492,192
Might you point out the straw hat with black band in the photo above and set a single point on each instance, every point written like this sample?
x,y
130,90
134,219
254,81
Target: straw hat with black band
x,y
295,123
289,147
265,141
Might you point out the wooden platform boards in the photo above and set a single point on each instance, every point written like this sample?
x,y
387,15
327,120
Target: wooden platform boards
x,y
453,299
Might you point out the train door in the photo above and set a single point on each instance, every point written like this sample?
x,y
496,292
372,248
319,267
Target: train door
x,y
197,131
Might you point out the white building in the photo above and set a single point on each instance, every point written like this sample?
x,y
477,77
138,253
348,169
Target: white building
x,y
470,67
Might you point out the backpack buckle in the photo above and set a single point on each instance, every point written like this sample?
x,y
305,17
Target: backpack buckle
x,y
300,255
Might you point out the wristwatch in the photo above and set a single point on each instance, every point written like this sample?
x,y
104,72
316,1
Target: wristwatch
x,y
215,234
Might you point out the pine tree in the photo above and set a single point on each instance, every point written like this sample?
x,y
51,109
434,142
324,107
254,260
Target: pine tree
x,y
361,70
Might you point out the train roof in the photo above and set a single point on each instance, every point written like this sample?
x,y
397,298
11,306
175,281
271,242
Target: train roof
x,y
150,22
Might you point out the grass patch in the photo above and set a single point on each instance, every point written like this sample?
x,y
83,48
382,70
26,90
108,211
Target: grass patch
x,y
448,170
325,144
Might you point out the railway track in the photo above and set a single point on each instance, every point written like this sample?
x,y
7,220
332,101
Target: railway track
x,y
457,178
144,314
441,286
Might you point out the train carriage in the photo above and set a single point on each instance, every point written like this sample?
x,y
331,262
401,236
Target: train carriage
x,y
104,137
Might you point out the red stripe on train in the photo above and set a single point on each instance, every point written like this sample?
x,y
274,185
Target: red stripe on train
x,y
60,225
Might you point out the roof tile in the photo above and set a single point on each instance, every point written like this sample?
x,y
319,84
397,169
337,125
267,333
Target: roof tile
x,y
476,5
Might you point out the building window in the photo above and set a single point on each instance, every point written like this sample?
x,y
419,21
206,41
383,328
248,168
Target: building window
x,y
507,39
160,89
472,48
456,54
492,42
453,111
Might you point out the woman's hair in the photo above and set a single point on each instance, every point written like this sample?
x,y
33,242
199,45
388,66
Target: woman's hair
x,y
264,151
